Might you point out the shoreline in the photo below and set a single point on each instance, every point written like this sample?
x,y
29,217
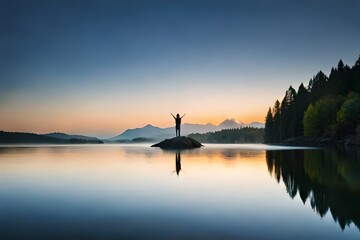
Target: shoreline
x,y
351,142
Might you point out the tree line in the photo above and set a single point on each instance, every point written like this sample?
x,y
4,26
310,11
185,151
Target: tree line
x,y
328,107
20,137
236,135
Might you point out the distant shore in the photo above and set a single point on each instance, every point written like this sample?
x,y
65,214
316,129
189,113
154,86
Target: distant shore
x,y
321,142
32,138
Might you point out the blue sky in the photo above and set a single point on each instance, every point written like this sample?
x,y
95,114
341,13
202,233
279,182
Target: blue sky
x,y
99,67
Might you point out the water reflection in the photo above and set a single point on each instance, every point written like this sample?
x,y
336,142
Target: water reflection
x,y
128,191
329,179
178,162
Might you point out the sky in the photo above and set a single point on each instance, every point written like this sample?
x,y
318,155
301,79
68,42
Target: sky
x,y
101,67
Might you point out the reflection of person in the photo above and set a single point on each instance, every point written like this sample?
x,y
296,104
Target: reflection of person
x,y
177,124
178,162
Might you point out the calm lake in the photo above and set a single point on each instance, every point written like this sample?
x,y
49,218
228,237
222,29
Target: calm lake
x,y
226,191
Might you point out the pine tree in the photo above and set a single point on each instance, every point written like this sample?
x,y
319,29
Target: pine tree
x,y
317,86
356,76
269,127
300,105
287,113
276,121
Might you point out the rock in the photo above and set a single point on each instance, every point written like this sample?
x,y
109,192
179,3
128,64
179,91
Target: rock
x,y
178,143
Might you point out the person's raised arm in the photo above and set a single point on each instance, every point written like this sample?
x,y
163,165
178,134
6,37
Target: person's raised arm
x,y
183,115
173,115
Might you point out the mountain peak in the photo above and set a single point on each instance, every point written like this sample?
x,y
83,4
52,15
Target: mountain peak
x,y
231,123
231,120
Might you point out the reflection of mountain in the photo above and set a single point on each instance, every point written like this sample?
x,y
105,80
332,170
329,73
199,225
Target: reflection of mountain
x,y
205,153
150,131
329,179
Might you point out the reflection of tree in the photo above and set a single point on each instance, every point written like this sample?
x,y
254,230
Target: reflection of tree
x,y
330,180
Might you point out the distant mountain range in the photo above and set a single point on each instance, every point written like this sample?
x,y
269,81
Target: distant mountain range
x,y
67,136
150,131
144,134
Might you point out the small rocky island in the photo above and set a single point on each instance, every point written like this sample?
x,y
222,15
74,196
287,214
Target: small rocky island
x,y
178,143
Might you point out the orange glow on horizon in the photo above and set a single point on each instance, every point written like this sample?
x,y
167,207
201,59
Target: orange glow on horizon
x,y
109,118
82,124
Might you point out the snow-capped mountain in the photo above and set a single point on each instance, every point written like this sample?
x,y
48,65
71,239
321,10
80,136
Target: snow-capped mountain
x,y
230,123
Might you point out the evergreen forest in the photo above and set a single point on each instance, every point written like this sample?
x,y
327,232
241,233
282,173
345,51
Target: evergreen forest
x,y
327,108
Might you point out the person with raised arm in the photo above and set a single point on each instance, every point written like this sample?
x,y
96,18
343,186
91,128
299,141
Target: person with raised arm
x,y
177,124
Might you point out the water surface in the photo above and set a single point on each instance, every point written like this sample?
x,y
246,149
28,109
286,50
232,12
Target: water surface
x,y
226,191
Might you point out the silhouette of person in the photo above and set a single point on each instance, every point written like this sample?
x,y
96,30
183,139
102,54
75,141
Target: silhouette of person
x,y
178,162
177,124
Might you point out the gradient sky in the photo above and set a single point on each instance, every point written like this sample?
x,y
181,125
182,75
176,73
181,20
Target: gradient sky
x,y
100,67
